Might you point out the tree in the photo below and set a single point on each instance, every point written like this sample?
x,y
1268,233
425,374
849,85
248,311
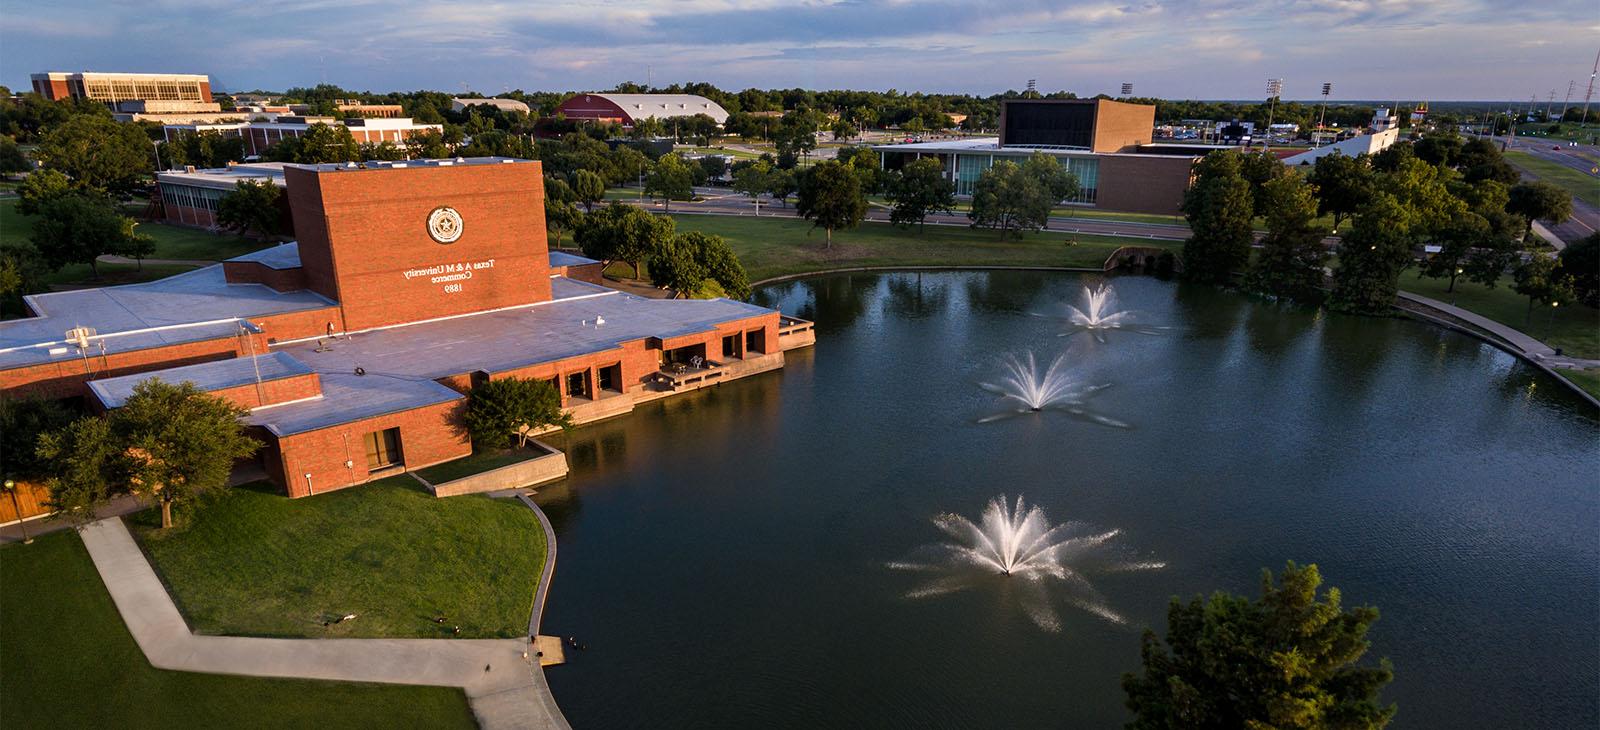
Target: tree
x,y
1287,660
252,205
85,462
1542,280
624,233
920,188
561,217
1219,210
39,188
1539,200
1468,243
98,154
830,197
1582,261
1371,256
22,421
1056,179
499,408
79,228
843,129
320,143
1292,254
670,180
588,188
713,167
1009,200
1258,169
12,160
179,442
22,271
782,184
691,259
1342,184
1442,149
754,180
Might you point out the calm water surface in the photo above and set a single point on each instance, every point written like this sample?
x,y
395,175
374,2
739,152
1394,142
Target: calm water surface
x,y
723,555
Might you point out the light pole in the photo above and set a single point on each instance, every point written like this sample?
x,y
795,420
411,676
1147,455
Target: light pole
x,y
22,524
1551,324
1327,88
1274,88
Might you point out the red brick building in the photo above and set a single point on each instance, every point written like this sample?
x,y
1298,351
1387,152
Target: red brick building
x,y
354,347
625,109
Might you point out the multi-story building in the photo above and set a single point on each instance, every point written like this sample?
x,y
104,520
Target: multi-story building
x,y
259,135
354,348
115,88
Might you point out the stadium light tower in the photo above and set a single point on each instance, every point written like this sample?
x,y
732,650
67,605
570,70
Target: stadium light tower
x,y
1127,89
1327,88
1274,88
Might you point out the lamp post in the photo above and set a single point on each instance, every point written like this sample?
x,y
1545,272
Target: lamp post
x,y
1327,88
1551,324
11,486
1274,89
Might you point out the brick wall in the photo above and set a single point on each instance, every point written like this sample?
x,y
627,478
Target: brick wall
x,y
281,390
360,231
427,436
66,378
1143,184
1119,126
251,272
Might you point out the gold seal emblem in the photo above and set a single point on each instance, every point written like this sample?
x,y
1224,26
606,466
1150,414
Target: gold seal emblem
x,y
444,224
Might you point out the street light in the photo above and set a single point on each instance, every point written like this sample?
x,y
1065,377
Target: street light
x,y
11,486
1274,89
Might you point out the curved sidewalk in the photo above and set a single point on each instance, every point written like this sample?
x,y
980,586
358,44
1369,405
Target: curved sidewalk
x,y
505,689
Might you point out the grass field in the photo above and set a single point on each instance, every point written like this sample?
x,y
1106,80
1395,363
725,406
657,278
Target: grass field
x,y
1583,187
254,562
776,246
1574,328
1588,380
70,662
172,242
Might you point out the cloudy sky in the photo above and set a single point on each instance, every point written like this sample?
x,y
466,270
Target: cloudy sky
x,y
1208,49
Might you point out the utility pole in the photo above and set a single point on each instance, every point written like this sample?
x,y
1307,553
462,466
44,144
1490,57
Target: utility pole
x,y
1549,104
1274,88
1590,92
1567,103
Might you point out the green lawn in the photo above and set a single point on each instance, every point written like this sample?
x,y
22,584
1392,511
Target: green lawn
x,y
1588,380
1583,187
777,246
1574,328
69,662
478,462
112,274
253,562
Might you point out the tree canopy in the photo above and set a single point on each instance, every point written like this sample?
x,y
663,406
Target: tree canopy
x,y
99,154
500,409
830,197
253,205
624,233
669,180
78,228
1219,210
1285,661
178,442
1292,256
691,259
919,189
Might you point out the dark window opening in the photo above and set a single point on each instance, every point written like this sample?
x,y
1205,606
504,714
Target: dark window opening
x,y
383,449
611,378
730,346
578,384
755,341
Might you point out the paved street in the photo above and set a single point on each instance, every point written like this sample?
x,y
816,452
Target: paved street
x,y
1585,217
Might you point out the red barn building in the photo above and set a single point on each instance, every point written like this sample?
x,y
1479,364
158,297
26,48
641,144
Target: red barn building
x,y
354,347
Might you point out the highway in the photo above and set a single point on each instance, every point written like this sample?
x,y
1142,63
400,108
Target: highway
x,y
1585,217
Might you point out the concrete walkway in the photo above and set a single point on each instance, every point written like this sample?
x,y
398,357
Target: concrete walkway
x,y
1529,346
505,689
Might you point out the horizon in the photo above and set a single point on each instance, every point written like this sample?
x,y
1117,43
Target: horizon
x,y
1450,50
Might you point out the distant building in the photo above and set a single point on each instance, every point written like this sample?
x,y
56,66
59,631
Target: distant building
x,y
113,89
505,105
1106,144
1236,132
626,109
1382,119
1366,144
189,197
259,135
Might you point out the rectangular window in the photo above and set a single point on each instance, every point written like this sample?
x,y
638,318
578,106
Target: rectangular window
x,y
578,384
730,346
611,378
755,341
383,449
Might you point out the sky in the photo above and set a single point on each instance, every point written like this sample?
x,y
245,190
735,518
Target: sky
x,y
1405,50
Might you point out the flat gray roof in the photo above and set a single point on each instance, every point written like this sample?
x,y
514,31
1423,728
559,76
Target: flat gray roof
x,y
349,397
207,376
281,256
562,258
192,306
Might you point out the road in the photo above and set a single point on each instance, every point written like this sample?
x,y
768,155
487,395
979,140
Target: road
x,y
1585,218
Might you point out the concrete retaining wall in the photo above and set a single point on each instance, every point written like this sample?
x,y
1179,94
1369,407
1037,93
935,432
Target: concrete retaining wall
x,y
537,470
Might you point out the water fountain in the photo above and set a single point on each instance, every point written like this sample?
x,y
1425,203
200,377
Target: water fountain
x,y
1025,387
1015,542
1099,314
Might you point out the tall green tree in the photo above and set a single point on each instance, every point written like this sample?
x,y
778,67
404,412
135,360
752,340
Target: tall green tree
x,y
782,184
1540,200
99,154
830,197
320,143
22,421
1009,200
1343,184
1292,254
1469,246
253,205
1371,256
589,188
1542,280
1055,178
753,180
623,233
12,160
39,188
1219,210
499,409
86,464
918,189
1260,168
179,442
1582,260
669,180
1288,661
79,228
691,259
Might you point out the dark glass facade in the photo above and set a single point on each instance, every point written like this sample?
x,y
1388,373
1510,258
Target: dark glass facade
x,y
1045,123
